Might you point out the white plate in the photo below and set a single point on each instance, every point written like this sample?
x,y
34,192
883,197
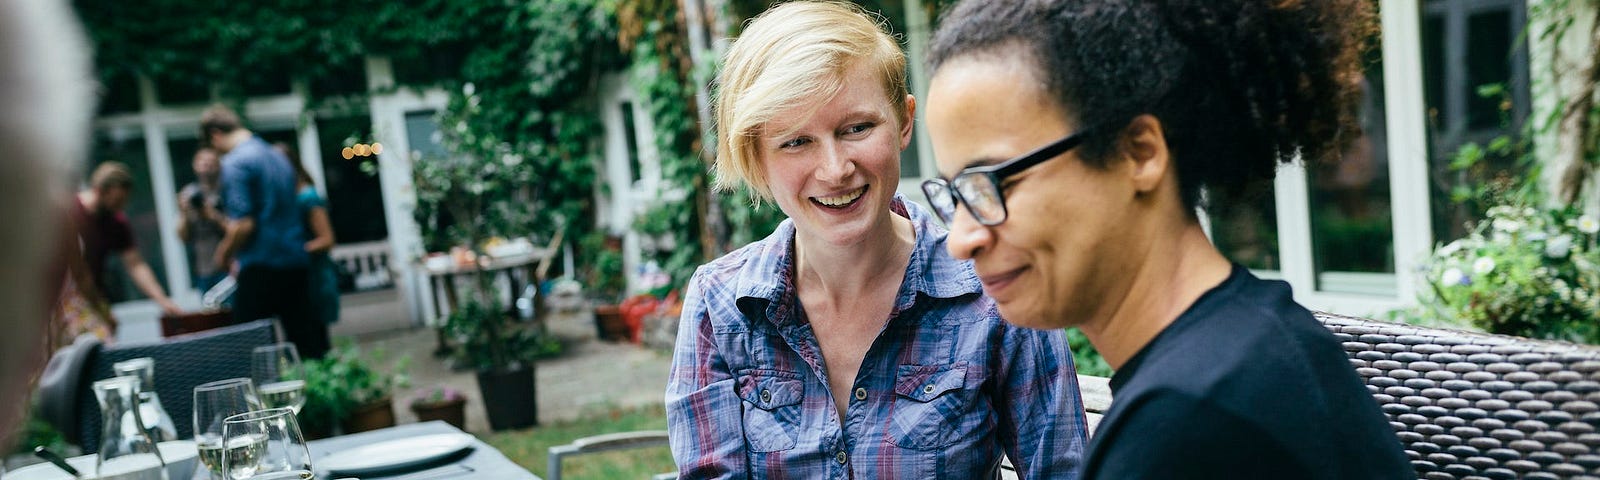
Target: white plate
x,y
394,454
179,455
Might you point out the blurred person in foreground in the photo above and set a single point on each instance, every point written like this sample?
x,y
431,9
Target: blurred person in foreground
x,y
202,222
1073,141
46,98
265,232
848,343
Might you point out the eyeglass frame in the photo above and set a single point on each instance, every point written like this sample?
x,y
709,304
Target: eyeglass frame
x,y
999,172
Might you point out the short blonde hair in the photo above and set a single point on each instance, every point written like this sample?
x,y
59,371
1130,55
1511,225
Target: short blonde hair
x,y
789,56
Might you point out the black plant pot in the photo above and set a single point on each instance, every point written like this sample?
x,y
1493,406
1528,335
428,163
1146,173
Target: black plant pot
x,y
509,397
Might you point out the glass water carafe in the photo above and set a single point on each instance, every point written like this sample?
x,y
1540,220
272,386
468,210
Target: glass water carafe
x,y
125,453
156,420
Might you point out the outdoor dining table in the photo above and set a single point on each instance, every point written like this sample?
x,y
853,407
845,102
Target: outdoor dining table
x,y
483,462
441,279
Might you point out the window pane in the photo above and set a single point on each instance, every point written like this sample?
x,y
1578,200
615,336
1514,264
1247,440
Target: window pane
x,y
630,136
1488,47
1433,68
422,133
355,197
121,146
1468,45
1246,231
1351,226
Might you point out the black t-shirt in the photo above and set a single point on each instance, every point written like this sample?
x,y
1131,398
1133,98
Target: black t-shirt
x,y
1245,384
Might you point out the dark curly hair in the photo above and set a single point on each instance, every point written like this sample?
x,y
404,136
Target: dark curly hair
x,y
1238,85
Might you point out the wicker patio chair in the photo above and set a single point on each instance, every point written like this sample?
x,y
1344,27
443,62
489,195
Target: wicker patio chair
x,y
1477,406
182,362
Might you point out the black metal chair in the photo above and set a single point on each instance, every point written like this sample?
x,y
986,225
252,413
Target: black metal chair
x,y
182,362
1470,405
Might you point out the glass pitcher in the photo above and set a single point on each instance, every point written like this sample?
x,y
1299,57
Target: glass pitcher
x,y
156,420
125,453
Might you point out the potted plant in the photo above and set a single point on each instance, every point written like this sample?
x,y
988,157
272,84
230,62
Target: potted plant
x,y
441,403
494,186
346,394
502,351
605,283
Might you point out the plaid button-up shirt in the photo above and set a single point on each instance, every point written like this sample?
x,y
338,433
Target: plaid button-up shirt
x,y
945,389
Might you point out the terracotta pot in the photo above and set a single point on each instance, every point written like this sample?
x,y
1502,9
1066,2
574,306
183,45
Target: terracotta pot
x,y
509,397
372,416
610,324
451,412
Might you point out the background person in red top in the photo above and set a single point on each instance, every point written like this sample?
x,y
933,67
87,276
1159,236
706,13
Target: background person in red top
x,y
103,230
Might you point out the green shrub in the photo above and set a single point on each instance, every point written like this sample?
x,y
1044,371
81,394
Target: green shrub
x,y
1087,360
490,341
1521,271
345,379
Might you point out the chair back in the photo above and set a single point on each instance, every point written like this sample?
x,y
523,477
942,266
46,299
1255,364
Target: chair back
x,y
608,442
1475,405
182,362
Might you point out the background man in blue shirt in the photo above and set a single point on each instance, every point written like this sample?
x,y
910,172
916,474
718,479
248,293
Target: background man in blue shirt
x,y
265,232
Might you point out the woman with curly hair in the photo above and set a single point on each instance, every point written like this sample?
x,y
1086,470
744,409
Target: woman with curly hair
x,y
1074,141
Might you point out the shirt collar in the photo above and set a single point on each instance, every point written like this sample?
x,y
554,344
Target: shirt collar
x,y
765,284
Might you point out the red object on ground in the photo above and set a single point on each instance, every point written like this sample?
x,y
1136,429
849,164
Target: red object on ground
x,y
633,311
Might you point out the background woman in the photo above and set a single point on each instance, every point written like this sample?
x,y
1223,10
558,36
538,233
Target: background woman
x,y
324,275
848,343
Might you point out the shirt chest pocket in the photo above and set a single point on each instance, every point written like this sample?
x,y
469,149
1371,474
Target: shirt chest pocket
x,y
771,409
931,403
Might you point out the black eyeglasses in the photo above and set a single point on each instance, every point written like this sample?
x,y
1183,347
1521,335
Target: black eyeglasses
x,y
979,187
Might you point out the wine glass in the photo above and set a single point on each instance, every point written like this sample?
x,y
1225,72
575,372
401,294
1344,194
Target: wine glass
x,y
269,447
213,403
276,369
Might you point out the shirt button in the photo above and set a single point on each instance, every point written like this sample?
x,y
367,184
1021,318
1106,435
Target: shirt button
x,y
841,457
861,394
927,389
766,396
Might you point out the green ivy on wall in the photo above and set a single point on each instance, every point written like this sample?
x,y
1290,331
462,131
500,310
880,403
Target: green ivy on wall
x,y
238,45
684,220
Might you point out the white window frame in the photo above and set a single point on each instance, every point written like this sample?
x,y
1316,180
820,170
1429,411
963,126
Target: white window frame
x,y
1405,118
627,198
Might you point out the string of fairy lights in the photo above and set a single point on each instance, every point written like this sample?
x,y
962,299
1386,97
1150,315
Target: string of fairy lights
x,y
361,150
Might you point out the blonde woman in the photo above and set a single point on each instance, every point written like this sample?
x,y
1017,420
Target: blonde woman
x,y
848,343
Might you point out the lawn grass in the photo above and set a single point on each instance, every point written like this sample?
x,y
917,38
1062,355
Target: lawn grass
x,y
529,448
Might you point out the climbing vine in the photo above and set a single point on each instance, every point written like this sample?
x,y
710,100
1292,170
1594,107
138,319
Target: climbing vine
x,y
237,46
686,227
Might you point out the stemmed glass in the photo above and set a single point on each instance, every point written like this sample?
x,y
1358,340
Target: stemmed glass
x,y
276,369
213,403
270,448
